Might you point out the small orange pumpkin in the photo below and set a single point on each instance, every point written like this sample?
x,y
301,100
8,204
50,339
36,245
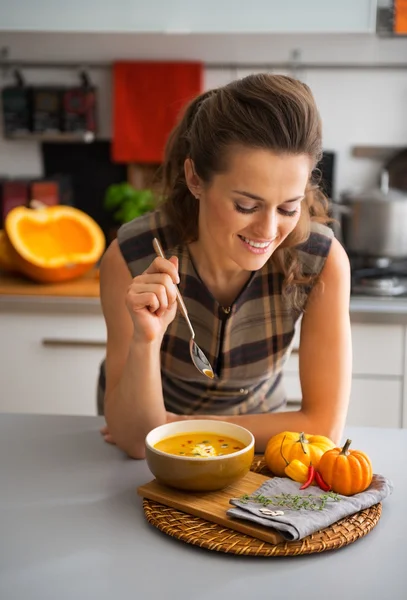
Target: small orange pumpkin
x,y
284,447
346,471
50,244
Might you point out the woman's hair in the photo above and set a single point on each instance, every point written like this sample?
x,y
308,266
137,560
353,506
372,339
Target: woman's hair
x,y
262,111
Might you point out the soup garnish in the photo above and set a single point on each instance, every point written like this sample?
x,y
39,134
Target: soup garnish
x,y
199,445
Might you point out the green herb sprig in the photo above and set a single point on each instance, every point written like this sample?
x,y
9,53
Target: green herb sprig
x,y
292,501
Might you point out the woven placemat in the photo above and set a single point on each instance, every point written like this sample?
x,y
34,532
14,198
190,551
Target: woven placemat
x,y
197,531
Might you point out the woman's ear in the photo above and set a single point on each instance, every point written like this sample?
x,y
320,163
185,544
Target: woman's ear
x,y
193,181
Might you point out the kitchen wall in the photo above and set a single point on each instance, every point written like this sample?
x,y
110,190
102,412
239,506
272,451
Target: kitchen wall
x,y
358,106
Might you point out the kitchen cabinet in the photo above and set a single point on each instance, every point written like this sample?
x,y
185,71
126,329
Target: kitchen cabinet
x,y
379,376
51,349
49,362
186,16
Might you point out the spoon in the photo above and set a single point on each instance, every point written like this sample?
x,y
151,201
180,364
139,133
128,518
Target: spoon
x,y
198,357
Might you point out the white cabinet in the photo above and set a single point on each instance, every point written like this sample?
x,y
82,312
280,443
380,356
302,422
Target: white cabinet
x,y
49,362
378,376
375,402
190,16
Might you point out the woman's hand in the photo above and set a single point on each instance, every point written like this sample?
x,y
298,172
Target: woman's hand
x,y
106,435
151,299
171,418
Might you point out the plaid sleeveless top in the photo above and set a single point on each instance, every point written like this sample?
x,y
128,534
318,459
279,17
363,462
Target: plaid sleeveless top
x,y
247,344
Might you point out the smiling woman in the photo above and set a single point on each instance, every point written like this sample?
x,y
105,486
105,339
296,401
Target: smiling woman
x,y
245,228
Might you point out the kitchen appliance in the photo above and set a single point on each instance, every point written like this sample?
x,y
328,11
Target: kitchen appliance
x,y
16,110
374,223
47,109
378,276
13,193
45,191
79,108
16,107
397,168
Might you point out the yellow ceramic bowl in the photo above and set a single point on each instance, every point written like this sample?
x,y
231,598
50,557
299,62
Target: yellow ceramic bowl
x,y
196,473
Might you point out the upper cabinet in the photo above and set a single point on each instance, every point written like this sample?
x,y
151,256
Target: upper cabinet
x,y
189,16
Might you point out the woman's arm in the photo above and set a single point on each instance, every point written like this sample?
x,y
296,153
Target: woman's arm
x,y
137,313
325,357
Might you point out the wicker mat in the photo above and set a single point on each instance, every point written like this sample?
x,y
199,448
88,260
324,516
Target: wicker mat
x,y
197,531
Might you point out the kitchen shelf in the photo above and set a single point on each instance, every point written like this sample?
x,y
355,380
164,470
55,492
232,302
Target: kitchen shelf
x,y
86,137
376,152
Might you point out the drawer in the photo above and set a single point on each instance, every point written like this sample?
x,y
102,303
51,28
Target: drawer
x,y
50,363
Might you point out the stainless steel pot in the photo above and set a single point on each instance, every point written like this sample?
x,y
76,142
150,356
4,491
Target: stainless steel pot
x,y
374,224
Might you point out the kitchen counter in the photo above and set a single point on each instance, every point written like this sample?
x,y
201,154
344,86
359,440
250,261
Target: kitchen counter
x,y
80,295
73,527
83,287
375,309
84,292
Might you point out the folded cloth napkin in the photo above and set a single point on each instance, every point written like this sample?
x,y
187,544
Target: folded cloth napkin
x,y
296,523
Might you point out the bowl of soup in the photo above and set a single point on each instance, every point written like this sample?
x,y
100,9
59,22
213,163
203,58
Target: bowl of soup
x,y
199,455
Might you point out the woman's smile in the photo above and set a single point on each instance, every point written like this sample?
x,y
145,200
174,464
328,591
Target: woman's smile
x,y
255,246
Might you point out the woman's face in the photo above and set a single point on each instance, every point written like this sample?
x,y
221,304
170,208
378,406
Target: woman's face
x,y
246,212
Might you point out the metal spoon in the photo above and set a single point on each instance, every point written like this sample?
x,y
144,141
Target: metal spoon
x,y
198,357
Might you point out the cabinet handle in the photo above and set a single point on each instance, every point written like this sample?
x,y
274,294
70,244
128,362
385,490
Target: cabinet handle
x,y
295,351
50,342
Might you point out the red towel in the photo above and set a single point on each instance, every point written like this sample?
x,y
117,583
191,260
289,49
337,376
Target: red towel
x,y
147,100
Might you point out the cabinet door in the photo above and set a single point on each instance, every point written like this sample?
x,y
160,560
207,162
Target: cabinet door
x,y
274,16
377,350
49,363
190,16
375,402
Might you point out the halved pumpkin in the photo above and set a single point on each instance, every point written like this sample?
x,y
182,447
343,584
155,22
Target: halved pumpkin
x,y
52,244
7,262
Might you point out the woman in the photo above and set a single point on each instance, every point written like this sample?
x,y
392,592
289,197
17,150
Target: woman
x,y
242,225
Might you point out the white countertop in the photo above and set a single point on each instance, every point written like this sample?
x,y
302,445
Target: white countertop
x,y
73,528
376,309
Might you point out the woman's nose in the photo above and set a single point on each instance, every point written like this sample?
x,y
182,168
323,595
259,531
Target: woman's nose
x,y
267,226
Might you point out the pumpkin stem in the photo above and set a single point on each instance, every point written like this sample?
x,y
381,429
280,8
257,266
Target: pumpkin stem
x,y
281,452
303,441
37,204
346,447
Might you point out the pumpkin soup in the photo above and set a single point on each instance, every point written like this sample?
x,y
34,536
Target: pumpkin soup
x,y
199,445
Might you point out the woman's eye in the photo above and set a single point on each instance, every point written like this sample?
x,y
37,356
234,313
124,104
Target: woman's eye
x,y
288,213
245,211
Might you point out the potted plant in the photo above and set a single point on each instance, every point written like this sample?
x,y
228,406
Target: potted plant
x,y
124,203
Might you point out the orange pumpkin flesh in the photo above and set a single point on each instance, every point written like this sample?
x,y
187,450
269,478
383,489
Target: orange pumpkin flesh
x,y
346,471
53,244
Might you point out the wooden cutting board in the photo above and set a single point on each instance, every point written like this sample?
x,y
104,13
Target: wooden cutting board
x,y
212,506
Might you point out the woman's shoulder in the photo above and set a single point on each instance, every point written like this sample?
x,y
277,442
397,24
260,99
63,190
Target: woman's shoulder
x,y
135,238
315,250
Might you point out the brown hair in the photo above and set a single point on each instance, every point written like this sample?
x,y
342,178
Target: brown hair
x,y
272,112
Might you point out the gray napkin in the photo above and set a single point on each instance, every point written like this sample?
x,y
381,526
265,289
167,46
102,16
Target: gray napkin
x,y
295,524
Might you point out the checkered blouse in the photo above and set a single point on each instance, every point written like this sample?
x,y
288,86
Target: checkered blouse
x,y
247,344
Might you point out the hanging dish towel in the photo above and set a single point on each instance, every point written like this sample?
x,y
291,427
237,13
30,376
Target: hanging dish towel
x,y
147,100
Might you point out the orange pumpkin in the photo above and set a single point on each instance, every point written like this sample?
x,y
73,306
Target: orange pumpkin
x,y
346,471
7,262
284,447
52,244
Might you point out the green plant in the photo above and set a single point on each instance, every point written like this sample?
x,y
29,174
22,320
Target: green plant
x,y
125,203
